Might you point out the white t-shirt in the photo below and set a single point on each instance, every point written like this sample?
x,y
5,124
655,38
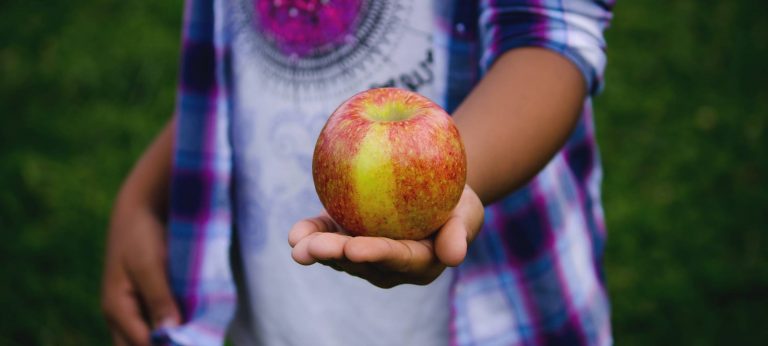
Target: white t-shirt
x,y
293,63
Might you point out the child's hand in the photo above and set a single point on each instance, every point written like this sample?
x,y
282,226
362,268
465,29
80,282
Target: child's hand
x,y
135,284
136,294
385,262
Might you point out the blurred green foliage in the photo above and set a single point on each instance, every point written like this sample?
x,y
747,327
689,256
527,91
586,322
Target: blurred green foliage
x,y
682,124
83,87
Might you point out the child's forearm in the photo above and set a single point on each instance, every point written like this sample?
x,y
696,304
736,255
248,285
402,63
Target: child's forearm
x,y
147,186
517,118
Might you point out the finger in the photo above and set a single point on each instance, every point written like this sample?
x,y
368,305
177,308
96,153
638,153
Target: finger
x,y
303,228
370,273
451,242
390,254
327,246
384,278
362,270
300,251
124,317
471,211
121,306
151,281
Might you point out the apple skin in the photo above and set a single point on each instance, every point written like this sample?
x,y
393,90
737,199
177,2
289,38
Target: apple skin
x,y
389,163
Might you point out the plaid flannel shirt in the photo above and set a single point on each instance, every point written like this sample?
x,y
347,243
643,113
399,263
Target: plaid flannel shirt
x,y
533,275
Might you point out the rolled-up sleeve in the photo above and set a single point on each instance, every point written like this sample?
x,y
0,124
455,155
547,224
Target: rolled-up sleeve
x,y
573,28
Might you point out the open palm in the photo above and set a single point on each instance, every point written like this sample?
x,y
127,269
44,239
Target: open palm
x,y
387,262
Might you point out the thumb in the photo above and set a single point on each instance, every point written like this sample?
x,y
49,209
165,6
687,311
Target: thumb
x,y
451,242
155,292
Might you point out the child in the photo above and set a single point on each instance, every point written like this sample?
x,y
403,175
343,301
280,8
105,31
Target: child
x,y
518,262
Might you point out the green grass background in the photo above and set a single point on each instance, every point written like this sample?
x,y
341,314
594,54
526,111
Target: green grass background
x,y
683,127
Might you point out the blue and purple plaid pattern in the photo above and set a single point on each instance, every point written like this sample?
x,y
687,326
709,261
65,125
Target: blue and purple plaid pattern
x,y
200,223
534,274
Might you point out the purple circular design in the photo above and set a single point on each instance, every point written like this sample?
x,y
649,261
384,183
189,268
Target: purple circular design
x,y
307,27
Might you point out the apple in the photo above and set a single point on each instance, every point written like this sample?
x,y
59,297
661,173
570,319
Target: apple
x,y
389,163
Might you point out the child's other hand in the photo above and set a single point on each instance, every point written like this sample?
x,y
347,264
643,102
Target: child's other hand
x,y
135,285
386,262
136,294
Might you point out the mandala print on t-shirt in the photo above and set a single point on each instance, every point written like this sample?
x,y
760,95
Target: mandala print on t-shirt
x,y
313,48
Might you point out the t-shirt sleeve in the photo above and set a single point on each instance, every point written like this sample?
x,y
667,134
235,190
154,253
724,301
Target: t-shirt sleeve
x,y
573,28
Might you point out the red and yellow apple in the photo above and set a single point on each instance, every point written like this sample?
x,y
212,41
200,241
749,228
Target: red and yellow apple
x,y
389,163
